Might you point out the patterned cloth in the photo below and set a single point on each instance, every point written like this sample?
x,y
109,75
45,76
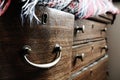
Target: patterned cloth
x,y
80,8
88,8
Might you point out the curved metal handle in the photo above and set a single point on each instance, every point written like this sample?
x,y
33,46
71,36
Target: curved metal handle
x,y
78,28
47,65
81,56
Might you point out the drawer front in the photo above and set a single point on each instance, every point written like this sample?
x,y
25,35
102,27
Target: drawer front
x,y
108,16
99,49
83,76
86,29
104,18
99,71
25,51
81,56
86,54
95,71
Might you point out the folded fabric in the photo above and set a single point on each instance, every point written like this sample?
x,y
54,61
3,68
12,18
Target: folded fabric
x,y
28,9
88,8
80,8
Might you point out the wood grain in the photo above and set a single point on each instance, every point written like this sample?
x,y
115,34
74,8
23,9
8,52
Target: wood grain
x,y
92,51
96,72
42,39
93,30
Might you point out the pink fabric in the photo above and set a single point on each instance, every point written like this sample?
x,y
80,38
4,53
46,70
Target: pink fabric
x,y
90,11
88,8
80,8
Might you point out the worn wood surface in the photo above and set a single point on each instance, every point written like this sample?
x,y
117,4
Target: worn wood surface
x,y
42,39
96,72
104,18
92,51
93,30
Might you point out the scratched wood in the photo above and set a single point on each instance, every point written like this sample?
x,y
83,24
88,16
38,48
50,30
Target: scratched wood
x,y
92,51
92,30
41,38
96,72
107,18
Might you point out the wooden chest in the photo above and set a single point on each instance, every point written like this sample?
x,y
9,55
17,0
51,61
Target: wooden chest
x,y
58,48
89,48
34,52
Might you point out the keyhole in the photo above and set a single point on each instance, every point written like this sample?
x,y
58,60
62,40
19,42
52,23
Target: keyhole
x,y
44,18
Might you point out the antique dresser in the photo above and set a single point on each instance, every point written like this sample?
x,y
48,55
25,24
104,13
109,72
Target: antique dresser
x,y
60,48
89,49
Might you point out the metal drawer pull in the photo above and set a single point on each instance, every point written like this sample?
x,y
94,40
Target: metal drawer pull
x,y
57,50
80,56
78,28
104,48
104,30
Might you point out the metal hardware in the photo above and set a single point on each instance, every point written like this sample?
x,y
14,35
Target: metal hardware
x,y
104,48
78,28
104,30
81,56
57,48
27,49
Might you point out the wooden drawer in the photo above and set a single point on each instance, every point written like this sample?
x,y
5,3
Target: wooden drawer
x,y
95,71
107,16
86,29
99,70
104,18
38,44
99,48
87,53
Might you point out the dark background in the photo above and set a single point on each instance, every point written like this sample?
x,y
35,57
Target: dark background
x,y
116,0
